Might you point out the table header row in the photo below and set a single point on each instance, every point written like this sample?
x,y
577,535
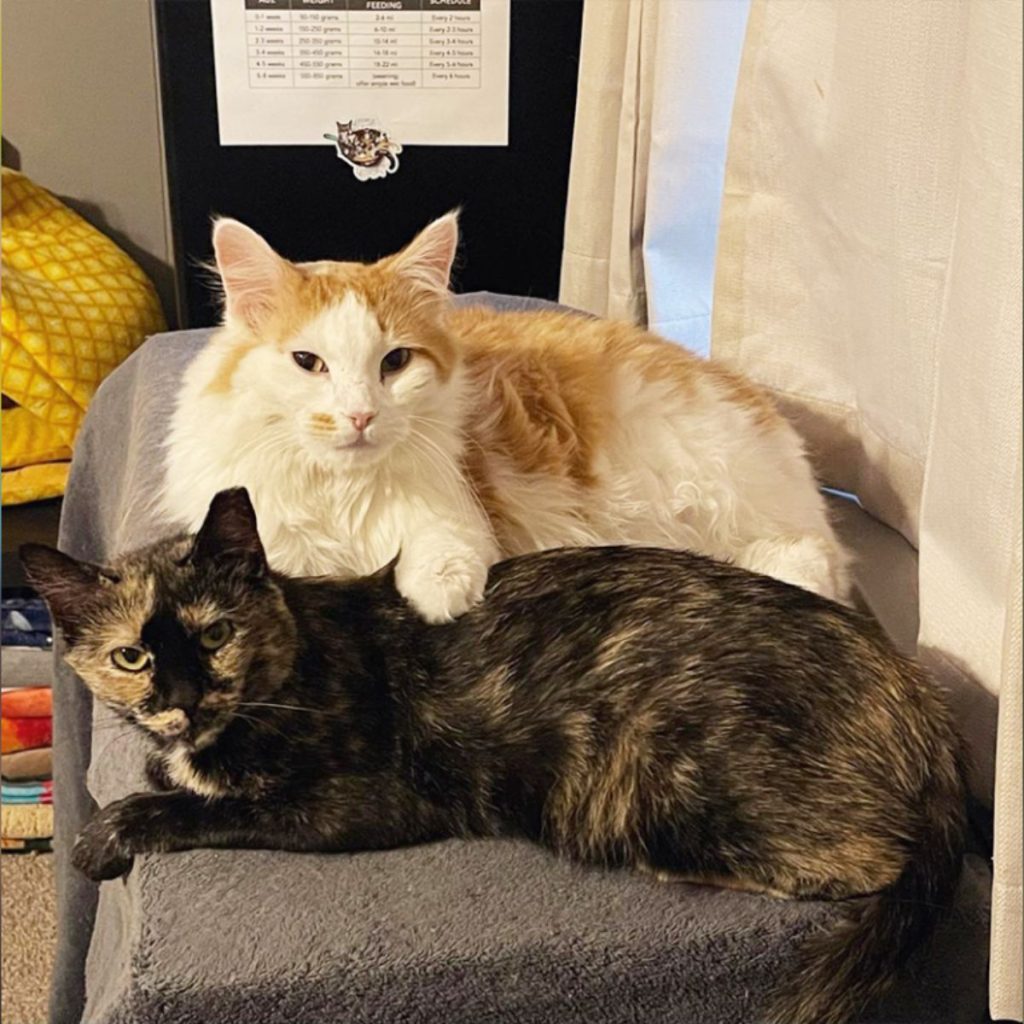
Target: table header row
x,y
379,6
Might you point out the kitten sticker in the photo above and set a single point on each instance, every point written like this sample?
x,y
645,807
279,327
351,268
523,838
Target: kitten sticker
x,y
366,148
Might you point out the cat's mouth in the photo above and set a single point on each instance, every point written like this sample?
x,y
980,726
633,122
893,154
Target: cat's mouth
x,y
360,442
204,735
194,732
354,450
360,449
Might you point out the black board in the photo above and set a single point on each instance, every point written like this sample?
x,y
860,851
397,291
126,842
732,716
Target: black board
x,y
309,206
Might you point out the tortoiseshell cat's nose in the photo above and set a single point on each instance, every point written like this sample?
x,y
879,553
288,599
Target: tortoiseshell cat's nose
x,y
179,693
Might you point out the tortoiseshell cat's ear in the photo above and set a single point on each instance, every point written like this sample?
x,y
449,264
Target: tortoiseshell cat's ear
x,y
386,573
69,587
230,531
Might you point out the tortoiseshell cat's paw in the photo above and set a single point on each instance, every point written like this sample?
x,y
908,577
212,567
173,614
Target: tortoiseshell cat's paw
x,y
100,853
106,847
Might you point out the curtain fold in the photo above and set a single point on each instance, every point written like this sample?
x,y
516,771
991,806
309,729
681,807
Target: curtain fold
x,y
869,274
602,266
655,95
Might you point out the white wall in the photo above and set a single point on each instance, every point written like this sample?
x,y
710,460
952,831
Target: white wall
x,y
81,117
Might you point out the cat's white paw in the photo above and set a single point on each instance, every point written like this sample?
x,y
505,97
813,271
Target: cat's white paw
x,y
442,588
809,562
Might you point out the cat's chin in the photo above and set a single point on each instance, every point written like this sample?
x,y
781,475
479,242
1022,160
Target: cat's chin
x,y
352,455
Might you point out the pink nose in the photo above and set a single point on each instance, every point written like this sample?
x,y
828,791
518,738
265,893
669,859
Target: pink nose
x,y
361,420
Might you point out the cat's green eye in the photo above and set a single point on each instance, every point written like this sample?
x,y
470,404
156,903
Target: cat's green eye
x,y
309,362
216,635
130,659
395,360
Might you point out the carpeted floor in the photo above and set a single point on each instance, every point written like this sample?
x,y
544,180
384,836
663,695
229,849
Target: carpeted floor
x,y
28,932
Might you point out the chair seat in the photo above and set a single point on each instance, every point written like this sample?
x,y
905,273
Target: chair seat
x,y
466,933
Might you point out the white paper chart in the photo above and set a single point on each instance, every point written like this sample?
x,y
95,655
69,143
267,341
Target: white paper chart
x,y
431,72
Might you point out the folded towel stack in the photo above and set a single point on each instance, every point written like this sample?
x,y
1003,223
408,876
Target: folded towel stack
x,y
26,724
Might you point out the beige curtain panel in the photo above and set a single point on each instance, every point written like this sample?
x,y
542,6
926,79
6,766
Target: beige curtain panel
x,y
869,273
655,99
602,263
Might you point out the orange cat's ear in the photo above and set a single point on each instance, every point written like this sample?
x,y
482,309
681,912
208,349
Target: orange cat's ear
x,y
427,259
252,274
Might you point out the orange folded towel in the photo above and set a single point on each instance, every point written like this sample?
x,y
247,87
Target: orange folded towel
x,y
28,702
25,733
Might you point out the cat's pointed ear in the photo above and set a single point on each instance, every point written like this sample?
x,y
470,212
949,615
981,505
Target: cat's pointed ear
x,y
427,259
229,531
386,573
68,586
252,274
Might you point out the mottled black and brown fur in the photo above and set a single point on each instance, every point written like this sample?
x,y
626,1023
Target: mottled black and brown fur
x,y
623,707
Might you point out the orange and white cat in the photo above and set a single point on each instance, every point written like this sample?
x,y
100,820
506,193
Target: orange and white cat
x,y
368,417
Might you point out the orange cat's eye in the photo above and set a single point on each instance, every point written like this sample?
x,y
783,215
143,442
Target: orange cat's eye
x,y
309,362
395,360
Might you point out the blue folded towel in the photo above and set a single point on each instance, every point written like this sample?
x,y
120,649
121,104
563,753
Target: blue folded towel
x,y
26,792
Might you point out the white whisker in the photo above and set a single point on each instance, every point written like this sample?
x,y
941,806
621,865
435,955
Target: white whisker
x,y
466,494
261,722
286,707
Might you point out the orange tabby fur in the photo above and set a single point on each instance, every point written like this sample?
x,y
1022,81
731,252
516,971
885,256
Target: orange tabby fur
x,y
542,387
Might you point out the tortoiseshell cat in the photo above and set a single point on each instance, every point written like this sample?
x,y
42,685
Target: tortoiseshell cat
x,y
624,707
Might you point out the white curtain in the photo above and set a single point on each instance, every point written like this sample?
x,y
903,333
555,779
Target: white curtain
x,y
869,273
652,119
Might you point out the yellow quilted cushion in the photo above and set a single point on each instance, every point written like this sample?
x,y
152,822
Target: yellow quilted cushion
x,y
73,307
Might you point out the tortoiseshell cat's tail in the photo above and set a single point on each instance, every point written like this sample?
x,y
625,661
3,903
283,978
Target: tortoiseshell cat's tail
x,y
844,969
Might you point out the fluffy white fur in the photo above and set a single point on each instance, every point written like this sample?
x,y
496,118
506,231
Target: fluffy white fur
x,y
692,473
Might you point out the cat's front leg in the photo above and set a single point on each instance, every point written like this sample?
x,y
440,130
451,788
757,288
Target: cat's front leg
x,y
181,820
369,812
443,566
